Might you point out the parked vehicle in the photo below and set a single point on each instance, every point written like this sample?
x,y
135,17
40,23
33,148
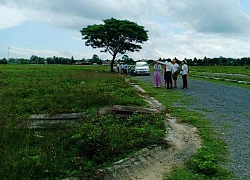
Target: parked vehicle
x,y
142,68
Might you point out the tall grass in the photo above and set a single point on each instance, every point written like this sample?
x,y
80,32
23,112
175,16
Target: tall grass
x,y
75,151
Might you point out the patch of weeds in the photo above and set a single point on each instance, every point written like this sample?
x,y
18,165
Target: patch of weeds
x,y
133,80
181,173
79,151
224,116
204,109
72,151
246,113
227,126
204,161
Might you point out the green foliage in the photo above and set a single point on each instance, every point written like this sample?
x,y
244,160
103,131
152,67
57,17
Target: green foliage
x,y
115,36
226,75
221,70
219,61
182,173
3,61
35,91
205,161
73,151
106,138
78,151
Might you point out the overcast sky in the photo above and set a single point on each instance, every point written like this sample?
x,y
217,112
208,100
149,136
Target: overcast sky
x,y
176,28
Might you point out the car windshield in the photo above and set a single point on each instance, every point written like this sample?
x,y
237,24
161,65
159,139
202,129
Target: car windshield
x,y
141,65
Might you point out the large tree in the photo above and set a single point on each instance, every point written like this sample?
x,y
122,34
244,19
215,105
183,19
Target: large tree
x,y
115,36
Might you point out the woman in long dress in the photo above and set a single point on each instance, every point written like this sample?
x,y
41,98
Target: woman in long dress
x,y
157,75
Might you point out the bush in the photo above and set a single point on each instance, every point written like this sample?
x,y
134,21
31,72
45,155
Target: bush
x,y
78,151
205,161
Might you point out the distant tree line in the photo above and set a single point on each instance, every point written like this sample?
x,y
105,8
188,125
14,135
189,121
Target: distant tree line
x,y
220,61
50,60
61,60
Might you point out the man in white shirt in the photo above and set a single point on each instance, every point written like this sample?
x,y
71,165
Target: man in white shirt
x,y
175,72
169,70
184,74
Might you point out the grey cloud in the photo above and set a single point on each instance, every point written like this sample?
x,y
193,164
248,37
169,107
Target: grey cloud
x,y
209,16
180,28
223,16
74,14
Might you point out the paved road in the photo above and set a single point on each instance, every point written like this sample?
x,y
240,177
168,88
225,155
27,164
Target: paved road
x,y
229,109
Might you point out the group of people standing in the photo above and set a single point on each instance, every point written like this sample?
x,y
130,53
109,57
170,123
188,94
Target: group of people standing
x,y
171,70
123,67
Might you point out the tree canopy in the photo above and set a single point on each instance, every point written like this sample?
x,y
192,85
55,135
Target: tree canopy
x,y
115,36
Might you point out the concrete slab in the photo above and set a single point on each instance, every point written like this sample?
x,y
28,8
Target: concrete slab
x,y
51,121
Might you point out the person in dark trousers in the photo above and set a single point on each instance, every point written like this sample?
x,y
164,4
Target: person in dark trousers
x,y
168,73
184,74
175,72
118,67
122,68
164,75
169,70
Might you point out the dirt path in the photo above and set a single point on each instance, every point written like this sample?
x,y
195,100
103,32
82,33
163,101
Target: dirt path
x,y
227,106
184,141
153,163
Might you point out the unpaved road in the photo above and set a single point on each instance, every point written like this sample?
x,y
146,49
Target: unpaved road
x,y
229,109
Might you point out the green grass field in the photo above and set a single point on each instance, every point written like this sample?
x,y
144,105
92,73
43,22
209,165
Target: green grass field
x,y
239,73
98,141
75,151
245,70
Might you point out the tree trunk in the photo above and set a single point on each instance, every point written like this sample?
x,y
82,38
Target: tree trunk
x,y
112,66
112,63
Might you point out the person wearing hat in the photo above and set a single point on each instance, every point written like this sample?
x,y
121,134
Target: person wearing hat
x,y
184,74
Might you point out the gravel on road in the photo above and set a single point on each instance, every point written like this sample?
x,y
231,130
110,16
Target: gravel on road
x,y
228,107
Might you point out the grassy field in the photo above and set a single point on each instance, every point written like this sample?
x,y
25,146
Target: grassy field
x,y
75,151
100,140
222,69
238,73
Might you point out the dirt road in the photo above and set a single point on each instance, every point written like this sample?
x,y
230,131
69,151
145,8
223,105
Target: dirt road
x,y
229,109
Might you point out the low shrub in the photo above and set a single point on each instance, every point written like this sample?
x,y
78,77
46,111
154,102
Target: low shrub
x,y
204,161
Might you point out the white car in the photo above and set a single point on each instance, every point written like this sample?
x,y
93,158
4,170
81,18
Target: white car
x,y
142,68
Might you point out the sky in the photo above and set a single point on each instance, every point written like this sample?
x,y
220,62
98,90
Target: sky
x,y
176,28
